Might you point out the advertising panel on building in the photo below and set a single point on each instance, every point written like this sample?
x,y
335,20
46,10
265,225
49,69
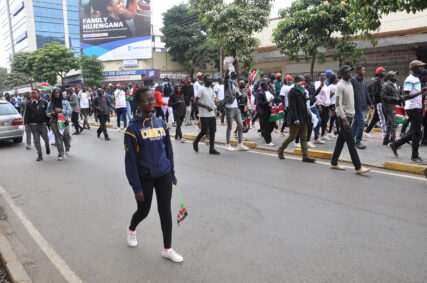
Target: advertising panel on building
x,y
116,29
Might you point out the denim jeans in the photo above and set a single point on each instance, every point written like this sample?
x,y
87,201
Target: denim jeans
x,y
358,125
317,128
233,114
129,110
121,114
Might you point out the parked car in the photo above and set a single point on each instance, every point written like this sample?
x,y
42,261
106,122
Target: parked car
x,y
11,123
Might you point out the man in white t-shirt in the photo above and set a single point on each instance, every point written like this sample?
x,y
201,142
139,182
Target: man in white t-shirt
x,y
413,106
205,99
219,91
84,97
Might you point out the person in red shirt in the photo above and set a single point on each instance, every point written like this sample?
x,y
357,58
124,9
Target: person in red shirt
x,y
159,102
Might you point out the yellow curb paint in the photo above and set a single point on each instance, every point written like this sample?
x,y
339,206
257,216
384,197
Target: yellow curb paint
x,y
404,167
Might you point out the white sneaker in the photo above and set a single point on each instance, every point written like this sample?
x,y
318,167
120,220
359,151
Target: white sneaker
x,y
242,147
298,145
319,141
310,145
182,140
367,135
331,136
270,144
172,255
132,241
326,138
229,147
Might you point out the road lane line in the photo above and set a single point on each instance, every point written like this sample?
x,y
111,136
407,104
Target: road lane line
x,y
347,167
47,249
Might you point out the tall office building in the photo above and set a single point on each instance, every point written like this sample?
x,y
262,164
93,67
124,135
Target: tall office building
x,y
28,25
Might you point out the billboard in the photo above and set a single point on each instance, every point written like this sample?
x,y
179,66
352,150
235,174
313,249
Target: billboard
x,y
116,29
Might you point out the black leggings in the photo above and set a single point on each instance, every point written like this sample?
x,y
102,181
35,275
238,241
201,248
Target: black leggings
x,y
163,186
324,118
178,120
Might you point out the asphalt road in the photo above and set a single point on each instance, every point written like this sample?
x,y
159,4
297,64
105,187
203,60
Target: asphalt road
x,y
252,218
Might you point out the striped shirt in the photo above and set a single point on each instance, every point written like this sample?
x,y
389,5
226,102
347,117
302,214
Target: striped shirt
x,y
413,85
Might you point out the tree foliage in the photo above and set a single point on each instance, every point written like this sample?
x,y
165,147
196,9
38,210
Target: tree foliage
x,y
313,27
232,25
3,75
51,61
91,70
186,39
18,75
368,13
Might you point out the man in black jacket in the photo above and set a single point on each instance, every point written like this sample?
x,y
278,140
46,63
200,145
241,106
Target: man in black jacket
x,y
298,119
264,111
390,97
376,95
35,120
102,105
188,91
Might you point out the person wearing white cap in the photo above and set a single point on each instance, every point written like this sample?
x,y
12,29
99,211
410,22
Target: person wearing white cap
x,y
413,106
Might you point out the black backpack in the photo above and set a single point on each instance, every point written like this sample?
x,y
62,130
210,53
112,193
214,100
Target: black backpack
x,y
167,90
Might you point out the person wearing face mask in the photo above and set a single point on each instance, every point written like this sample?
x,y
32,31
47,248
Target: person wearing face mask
x,y
298,119
205,99
232,111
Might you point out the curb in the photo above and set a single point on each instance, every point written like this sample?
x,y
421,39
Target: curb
x,y
388,165
11,263
93,124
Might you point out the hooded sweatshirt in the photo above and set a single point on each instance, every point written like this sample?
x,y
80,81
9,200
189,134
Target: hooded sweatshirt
x,y
148,151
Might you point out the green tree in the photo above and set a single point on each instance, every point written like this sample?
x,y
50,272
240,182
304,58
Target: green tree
x,y
51,61
313,27
91,69
232,25
185,37
3,75
368,13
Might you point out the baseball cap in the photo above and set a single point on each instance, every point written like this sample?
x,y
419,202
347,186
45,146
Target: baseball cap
x,y
232,74
416,63
392,73
119,85
199,74
289,77
278,75
329,73
346,68
379,69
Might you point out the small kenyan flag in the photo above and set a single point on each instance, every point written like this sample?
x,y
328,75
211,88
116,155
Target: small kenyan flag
x,y
46,86
277,113
401,116
182,214
61,123
255,75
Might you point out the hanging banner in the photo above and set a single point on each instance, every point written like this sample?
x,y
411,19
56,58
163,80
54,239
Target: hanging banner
x,y
116,29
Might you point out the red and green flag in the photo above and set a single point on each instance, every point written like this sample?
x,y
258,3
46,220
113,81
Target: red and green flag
x,y
46,86
255,75
401,116
182,214
61,123
277,113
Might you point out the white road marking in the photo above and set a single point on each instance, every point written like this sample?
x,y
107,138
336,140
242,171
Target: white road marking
x,y
347,167
56,260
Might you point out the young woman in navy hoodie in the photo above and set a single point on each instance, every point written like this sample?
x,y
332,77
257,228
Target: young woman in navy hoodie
x,y
150,166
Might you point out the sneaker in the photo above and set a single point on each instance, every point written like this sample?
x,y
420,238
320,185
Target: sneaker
x,y
28,147
308,159
214,152
298,145
132,241
310,145
242,147
47,150
39,158
67,152
367,135
195,147
331,136
280,154
182,140
325,138
60,158
418,160
337,167
172,255
229,147
318,141
359,145
269,144
107,138
362,170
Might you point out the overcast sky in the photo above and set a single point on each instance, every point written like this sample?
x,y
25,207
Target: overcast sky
x,y
158,7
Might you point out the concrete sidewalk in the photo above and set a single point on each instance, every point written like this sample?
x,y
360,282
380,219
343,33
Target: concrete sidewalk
x,y
375,154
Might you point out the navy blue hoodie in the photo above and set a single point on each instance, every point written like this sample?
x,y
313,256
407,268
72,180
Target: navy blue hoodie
x,y
148,151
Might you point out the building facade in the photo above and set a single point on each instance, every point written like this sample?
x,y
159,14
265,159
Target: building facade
x,y
401,38
28,25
